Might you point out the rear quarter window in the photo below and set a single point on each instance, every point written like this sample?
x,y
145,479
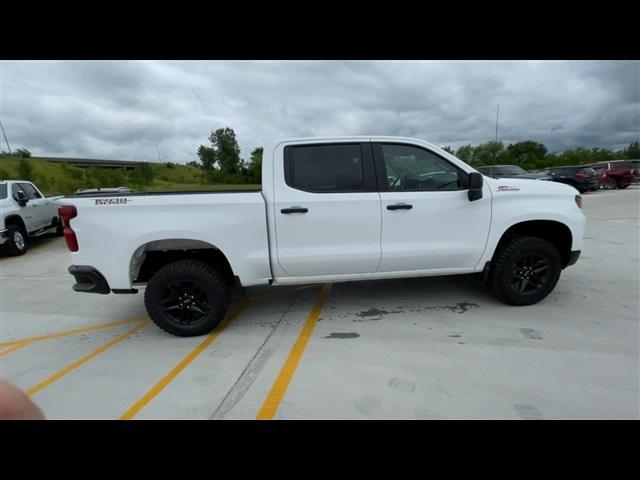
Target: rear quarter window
x,y
3,190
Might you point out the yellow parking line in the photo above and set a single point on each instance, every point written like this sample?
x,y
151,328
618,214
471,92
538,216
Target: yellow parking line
x,y
84,359
13,348
142,402
281,384
76,331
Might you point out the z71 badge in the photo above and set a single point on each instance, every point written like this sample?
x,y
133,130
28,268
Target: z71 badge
x,y
112,201
507,188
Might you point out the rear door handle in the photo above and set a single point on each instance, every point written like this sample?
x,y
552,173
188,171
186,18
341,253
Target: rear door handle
x,y
294,210
400,206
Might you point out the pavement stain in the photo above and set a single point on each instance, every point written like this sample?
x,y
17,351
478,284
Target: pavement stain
x,y
374,314
531,333
402,385
528,412
343,335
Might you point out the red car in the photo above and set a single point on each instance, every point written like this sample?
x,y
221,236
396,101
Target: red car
x,y
602,176
614,173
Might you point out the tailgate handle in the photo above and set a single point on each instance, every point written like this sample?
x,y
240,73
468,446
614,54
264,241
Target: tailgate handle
x,y
294,210
400,206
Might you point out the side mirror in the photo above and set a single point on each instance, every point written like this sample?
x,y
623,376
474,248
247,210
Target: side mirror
x,y
475,186
22,198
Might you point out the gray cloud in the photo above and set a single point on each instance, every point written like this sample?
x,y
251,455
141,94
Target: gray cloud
x,y
121,109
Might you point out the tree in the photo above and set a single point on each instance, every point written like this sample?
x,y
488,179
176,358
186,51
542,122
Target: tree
x,y
25,170
143,174
526,152
227,150
23,153
489,153
465,153
448,149
207,156
632,152
255,164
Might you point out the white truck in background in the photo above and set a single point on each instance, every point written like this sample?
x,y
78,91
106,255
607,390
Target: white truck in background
x,y
330,210
25,212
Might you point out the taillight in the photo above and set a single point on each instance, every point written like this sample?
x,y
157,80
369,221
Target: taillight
x,y
66,213
579,201
581,175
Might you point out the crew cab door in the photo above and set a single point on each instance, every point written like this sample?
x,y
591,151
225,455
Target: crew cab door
x,y
29,213
327,210
41,210
428,222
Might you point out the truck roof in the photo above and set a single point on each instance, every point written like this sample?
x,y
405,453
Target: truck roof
x,y
349,137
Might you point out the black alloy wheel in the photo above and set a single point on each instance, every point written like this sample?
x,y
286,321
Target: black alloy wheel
x,y
530,273
185,302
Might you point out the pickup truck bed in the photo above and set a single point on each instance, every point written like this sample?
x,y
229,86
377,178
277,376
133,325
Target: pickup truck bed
x,y
157,222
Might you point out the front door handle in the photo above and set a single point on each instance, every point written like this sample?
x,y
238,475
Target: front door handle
x,y
400,206
294,210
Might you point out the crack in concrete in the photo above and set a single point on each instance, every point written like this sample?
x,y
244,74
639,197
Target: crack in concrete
x,y
250,372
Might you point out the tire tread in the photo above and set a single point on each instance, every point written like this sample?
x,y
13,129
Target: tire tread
x,y
182,267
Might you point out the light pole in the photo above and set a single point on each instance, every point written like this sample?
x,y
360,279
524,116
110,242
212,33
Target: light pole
x,y
5,138
157,149
497,117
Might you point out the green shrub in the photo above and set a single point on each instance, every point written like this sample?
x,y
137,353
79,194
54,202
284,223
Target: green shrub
x,y
25,170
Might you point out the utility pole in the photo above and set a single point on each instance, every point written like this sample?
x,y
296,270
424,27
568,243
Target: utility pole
x,y
497,117
157,149
5,138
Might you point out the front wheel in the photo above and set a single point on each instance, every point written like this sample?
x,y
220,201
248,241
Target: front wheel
x,y
524,270
187,298
16,243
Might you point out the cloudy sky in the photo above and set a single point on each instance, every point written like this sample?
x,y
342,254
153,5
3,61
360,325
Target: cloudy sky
x,y
124,109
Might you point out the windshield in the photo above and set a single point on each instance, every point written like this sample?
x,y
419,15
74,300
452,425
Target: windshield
x,y
511,170
3,190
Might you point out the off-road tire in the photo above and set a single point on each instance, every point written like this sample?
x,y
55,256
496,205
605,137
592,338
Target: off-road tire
x,y
59,227
177,276
503,267
12,245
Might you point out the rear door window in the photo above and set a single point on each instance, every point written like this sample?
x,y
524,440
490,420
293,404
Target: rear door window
x,y
329,168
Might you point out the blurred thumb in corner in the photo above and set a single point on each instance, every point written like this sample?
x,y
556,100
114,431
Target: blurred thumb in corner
x,y
16,405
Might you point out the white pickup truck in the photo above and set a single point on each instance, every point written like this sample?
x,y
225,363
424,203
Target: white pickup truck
x,y
25,212
330,210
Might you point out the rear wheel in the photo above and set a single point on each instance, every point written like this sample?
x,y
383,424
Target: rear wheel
x,y
16,243
59,227
624,186
187,298
524,270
